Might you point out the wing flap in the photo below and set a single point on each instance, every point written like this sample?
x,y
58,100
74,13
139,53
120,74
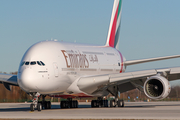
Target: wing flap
x,y
175,70
174,74
129,76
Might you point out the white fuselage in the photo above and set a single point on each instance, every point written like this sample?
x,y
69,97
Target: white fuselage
x,y
64,64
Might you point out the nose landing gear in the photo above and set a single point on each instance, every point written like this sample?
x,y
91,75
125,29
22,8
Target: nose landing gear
x,y
35,103
39,105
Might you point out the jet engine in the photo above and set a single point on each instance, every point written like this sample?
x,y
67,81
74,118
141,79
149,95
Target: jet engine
x,y
157,87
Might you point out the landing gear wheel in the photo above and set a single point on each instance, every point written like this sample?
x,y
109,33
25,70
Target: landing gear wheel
x,y
103,103
92,103
95,103
120,103
48,105
76,104
32,107
71,104
64,104
45,104
99,103
39,106
112,103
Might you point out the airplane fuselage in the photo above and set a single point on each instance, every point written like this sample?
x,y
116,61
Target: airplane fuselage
x,y
51,67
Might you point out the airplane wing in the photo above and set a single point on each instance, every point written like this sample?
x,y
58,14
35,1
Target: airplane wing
x,y
124,81
8,79
133,62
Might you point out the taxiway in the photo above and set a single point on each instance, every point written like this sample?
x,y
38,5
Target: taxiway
x,y
132,110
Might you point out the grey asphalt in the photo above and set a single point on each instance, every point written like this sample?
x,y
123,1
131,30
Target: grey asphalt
x,y
132,110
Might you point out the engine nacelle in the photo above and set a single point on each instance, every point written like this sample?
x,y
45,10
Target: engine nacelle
x,y
157,87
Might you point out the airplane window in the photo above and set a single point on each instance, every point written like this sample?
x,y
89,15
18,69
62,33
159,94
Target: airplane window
x,y
38,63
22,63
42,63
33,63
26,63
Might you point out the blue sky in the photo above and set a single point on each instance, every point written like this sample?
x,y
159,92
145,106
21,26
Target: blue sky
x,y
149,28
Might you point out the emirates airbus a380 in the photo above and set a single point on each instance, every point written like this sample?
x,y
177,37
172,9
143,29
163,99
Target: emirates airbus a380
x,y
70,70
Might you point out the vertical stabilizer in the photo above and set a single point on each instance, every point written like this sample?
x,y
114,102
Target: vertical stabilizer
x,y
114,27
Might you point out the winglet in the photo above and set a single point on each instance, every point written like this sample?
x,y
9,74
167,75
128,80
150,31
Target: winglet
x,y
114,27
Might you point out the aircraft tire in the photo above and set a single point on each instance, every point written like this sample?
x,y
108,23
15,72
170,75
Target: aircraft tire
x,y
71,104
112,103
120,103
105,103
76,104
64,104
39,106
102,103
48,105
32,107
45,104
93,103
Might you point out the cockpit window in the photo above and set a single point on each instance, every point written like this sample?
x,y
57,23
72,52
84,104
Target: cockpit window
x,y
26,63
33,63
22,63
42,63
38,63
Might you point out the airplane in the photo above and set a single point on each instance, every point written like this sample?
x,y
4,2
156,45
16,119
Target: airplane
x,y
71,70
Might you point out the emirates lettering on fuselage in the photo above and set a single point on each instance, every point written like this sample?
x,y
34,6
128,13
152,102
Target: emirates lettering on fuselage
x,y
75,60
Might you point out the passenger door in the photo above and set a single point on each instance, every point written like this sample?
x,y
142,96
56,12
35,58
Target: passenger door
x,y
56,70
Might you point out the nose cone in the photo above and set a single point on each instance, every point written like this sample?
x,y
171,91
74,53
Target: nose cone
x,y
26,80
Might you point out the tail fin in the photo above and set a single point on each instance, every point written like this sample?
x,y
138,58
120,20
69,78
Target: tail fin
x,y
114,27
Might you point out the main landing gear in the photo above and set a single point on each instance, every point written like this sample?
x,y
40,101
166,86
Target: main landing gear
x,y
104,103
69,103
99,103
39,105
119,103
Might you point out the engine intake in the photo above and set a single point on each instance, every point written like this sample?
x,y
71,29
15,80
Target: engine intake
x,y
157,87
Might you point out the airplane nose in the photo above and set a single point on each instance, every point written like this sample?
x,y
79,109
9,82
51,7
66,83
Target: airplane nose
x,y
26,79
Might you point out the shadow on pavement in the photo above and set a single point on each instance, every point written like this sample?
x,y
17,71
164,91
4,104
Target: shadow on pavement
x,y
54,107
28,108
